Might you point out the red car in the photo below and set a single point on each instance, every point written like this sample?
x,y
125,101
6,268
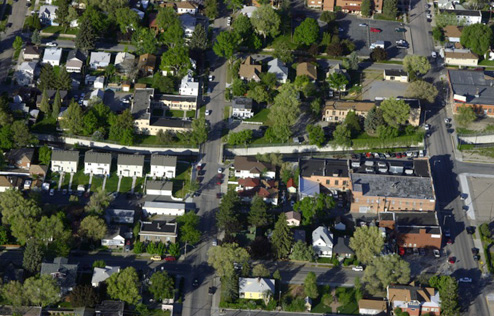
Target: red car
x,y
452,260
170,258
398,155
368,155
375,30
449,241
401,251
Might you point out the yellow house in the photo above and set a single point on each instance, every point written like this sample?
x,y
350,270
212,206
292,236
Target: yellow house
x,y
255,288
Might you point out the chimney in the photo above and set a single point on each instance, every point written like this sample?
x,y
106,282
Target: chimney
x,y
477,92
158,225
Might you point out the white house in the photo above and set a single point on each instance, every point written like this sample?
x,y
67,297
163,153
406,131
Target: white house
x,y
157,187
371,307
115,237
64,161
119,216
188,24
278,68
130,165
47,14
99,83
25,73
465,17
99,60
97,163
52,56
250,167
293,218
124,61
75,61
97,95
255,288
242,108
101,274
188,86
163,208
322,242
163,166
460,57
184,7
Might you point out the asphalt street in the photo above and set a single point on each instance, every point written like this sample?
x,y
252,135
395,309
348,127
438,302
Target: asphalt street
x,y
420,28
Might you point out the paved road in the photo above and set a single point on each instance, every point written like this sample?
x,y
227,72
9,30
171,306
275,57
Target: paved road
x,y
99,45
420,28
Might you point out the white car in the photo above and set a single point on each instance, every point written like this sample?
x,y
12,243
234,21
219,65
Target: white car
x,y
427,127
429,16
434,54
208,112
220,170
363,24
466,280
436,253
51,44
52,192
358,268
402,42
211,77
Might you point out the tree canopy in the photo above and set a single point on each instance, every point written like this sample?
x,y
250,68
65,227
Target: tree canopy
x,y
478,37
282,237
367,242
395,112
385,270
224,258
285,111
307,32
266,21
124,286
422,90
416,64
466,115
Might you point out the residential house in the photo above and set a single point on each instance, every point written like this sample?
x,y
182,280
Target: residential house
x,y
250,167
130,165
465,17
322,242
460,57
119,216
141,110
64,273
255,288
188,86
147,64
30,53
269,191
99,82
115,237
97,163
153,25
307,69
278,68
64,161
20,158
189,7
52,56
189,23
25,72
341,247
126,85
109,308
38,171
413,229
163,208
387,187
158,187
414,300
99,60
337,69
315,4
96,96
248,10
452,33
293,218
399,75
163,166
291,187
47,14
472,88
10,183
332,174
158,231
6,310
372,307
449,5
248,184
242,108
348,6
101,274
51,96
336,111
75,61
249,70
124,62
177,102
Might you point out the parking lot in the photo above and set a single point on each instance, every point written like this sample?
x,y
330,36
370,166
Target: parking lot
x,y
482,198
363,37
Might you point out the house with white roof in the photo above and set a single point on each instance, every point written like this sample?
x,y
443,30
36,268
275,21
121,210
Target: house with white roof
x,y
163,166
242,108
465,17
255,288
119,216
188,24
124,61
47,14
130,165
52,56
163,208
322,242
25,73
99,83
188,86
278,68
158,187
64,161
99,60
101,274
115,236
97,163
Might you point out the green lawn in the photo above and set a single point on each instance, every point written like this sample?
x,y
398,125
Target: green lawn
x,y
146,80
79,178
112,183
487,63
346,297
183,169
125,184
226,112
96,183
261,116
180,113
60,30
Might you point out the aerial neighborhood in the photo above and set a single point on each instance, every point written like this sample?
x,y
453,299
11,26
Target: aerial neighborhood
x,y
207,158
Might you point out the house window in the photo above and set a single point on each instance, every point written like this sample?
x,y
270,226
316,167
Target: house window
x,y
157,238
336,182
345,183
327,182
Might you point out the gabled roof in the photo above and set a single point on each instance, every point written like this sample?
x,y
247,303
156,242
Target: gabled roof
x,y
76,54
123,56
31,50
186,5
95,157
290,183
251,164
101,274
52,53
277,66
249,182
100,57
322,232
158,228
395,72
65,155
255,285
342,246
20,153
307,69
460,54
131,160
242,103
379,305
163,160
20,310
398,294
249,70
452,31
293,215
147,60
64,273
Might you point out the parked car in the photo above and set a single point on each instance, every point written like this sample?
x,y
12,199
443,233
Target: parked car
x,y
465,208
476,257
427,127
211,290
363,24
452,260
220,170
449,241
51,44
170,258
447,232
214,243
358,268
219,195
466,280
447,120
208,112
475,251
402,42
463,196
375,30
52,192
211,77
156,258
400,29
470,230
195,282
434,54
436,253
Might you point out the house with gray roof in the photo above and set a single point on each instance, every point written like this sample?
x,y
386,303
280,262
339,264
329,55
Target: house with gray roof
x,y
158,231
101,274
115,236
130,165
242,108
255,288
158,187
278,68
64,273
109,308
97,163
472,88
64,161
163,166
119,216
322,242
6,310
75,61
163,208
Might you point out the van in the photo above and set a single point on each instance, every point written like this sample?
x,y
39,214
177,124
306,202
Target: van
x,y
369,163
377,44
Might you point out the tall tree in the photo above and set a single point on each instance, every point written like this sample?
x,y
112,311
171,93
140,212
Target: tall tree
x,y
316,135
314,206
200,131
373,120
189,232
211,9
226,44
234,5
98,202
33,256
21,134
282,238
395,112
17,45
352,121
13,294
161,285
51,228
478,37
422,90
416,64
352,61
385,270
73,119
448,291
227,217
122,128
84,295
93,227
390,9
127,19
302,252
36,38
260,271
285,111
226,257
44,106
343,135
166,17
176,59
62,14
307,32
258,216
266,21
64,81
283,50
338,82
86,37
366,8
466,115
199,39
367,242
57,104
144,41
124,286
47,79
174,35
42,290
310,285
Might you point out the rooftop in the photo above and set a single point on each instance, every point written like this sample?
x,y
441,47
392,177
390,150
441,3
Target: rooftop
x,y
360,106
163,160
173,205
131,160
463,12
393,186
452,31
242,103
395,72
256,285
141,104
460,54
324,167
175,98
251,163
65,155
99,158
307,69
474,85
158,227
166,122
109,308
159,185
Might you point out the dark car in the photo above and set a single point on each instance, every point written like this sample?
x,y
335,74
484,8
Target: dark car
x,y
9,24
452,260
195,282
211,290
449,241
470,230
475,251
219,195
400,29
170,258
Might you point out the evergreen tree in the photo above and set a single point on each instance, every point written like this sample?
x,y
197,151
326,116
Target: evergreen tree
x,y
258,216
57,104
64,81
46,78
199,39
73,118
310,285
227,217
86,36
36,38
33,255
45,103
366,8
282,238
390,9
62,13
